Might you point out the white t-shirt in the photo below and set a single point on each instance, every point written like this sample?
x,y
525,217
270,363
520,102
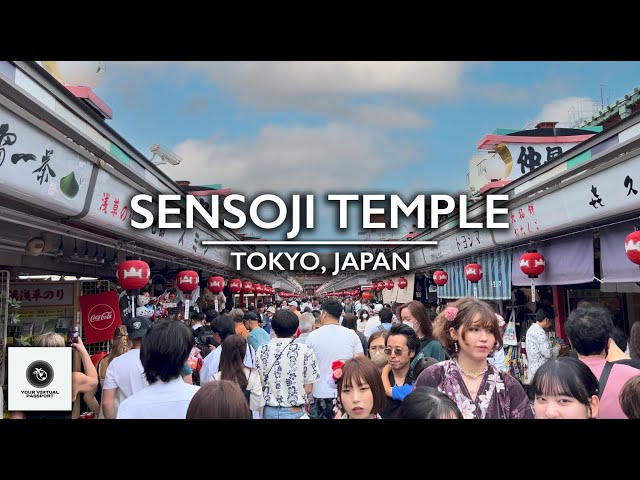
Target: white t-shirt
x,y
371,326
126,373
331,342
211,363
161,400
256,398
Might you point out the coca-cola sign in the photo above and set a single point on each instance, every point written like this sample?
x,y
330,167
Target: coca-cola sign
x,y
100,316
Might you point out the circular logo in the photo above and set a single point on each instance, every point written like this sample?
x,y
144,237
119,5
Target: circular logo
x,y
39,374
101,316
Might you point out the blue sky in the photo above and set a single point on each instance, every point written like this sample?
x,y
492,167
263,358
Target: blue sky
x,y
320,127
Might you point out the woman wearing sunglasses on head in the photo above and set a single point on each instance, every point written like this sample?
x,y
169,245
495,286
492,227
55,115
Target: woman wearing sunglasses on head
x,y
469,330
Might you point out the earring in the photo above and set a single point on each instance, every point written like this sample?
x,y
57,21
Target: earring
x,y
455,346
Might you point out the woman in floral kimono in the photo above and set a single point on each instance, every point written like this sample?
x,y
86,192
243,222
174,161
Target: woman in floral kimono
x,y
469,331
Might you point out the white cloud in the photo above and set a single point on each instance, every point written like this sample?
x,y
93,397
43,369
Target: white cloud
x,y
566,111
337,90
293,159
296,159
283,83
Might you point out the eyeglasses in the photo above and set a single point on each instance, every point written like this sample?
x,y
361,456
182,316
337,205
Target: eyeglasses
x,y
396,351
379,348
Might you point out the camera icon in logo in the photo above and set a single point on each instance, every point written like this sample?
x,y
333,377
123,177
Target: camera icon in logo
x,y
39,374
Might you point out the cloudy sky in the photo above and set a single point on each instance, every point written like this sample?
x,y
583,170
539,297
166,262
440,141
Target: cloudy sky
x,y
320,127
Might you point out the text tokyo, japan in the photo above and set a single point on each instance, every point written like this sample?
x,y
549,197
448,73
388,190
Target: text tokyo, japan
x,y
438,206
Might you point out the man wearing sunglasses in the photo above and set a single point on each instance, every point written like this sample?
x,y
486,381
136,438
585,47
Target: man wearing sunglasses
x,y
401,346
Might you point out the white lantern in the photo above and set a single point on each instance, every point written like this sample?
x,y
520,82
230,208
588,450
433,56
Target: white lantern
x,y
81,74
494,168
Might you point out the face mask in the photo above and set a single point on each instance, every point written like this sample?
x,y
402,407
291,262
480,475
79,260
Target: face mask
x,y
412,325
379,358
365,315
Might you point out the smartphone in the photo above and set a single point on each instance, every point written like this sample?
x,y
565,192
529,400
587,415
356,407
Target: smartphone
x,y
72,336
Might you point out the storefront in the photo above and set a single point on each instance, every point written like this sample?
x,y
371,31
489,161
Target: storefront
x,y
66,180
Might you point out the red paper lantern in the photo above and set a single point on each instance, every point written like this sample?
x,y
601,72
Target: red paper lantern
x,y
402,283
247,287
473,272
367,295
379,286
532,264
440,278
257,288
235,285
215,284
389,284
632,247
133,274
187,281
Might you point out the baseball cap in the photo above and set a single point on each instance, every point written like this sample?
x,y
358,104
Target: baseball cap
x,y
271,309
250,316
293,303
137,326
377,308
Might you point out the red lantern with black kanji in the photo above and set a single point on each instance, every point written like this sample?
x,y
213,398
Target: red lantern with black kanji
x,y
247,287
402,283
440,278
187,281
389,284
235,285
133,274
532,264
473,272
367,295
215,284
632,247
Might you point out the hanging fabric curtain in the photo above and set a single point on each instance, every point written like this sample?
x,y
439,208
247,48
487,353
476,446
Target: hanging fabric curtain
x,y
496,279
568,260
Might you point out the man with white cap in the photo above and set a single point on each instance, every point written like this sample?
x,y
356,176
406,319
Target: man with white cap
x,y
293,306
374,322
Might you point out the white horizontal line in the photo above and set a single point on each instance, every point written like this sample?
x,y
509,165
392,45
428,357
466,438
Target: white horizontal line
x,y
380,243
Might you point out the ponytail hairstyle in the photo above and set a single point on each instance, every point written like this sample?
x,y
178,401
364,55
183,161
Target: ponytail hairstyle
x,y
120,342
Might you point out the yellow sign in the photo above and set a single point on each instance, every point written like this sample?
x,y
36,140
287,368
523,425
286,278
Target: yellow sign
x,y
36,313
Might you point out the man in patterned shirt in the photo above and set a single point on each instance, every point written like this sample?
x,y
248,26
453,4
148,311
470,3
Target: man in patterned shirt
x,y
539,348
287,370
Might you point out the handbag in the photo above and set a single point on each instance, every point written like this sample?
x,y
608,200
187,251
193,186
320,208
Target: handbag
x,y
509,337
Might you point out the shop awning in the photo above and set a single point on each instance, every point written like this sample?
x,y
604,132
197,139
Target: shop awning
x,y
568,260
495,283
616,267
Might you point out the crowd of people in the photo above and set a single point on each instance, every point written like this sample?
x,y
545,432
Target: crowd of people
x,y
357,360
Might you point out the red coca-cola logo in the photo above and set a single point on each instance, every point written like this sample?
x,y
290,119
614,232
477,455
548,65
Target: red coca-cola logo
x,y
101,316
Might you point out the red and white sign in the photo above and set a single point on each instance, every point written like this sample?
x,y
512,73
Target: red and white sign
x,y
100,316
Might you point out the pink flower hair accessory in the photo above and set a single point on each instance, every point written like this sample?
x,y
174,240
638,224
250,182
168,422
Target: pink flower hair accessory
x,y
336,373
450,313
501,322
